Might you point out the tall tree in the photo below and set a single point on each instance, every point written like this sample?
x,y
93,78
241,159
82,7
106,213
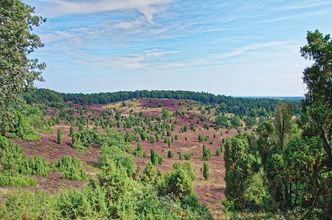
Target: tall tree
x,y
318,99
283,122
17,70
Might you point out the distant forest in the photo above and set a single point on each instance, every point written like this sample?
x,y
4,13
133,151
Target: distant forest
x,y
236,105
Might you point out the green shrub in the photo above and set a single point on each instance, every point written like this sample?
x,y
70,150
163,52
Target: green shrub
x,y
71,168
149,173
31,137
206,171
122,191
179,181
25,124
59,135
257,194
11,156
116,195
83,139
241,165
89,203
117,156
202,138
170,154
194,208
16,180
180,155
155,158
187,156
37,166
206,153
29,205
13,160
218,152
71,131
138,152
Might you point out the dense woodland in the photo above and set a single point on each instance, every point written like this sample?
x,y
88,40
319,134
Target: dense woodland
x,y
277,153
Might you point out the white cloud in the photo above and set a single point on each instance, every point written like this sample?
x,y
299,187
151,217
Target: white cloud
x,y
253,47
58,36
141,25
305,5
140,61
136,61
220,58
128,25
148,8
298,15
157,53
128,62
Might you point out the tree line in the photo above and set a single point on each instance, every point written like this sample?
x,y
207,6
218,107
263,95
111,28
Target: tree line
x,y
236,105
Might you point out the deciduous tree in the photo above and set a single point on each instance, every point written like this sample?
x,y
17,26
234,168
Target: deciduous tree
x,y
17,41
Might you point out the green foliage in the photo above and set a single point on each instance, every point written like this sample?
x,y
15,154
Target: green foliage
x,y
29,205
16,180
25,122
24,128
241,164
138,152
17,70
114,154
71,168
202,138
257,195
84,138
117,194
130,122
155,158
283,123
13,160
180,155
317,109
87,203
191,202
166,114
284,170
149,173
222,122
59,135
179,181
170,154
206,172
122,192
235,122
71,132
219,151
187,156
37,166
44,96
206,153
250,121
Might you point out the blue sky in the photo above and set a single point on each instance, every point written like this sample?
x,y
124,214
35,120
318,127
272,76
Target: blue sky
x,y
238,47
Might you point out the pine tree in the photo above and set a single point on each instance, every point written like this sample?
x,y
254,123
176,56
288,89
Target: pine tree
x,y
59,136
170,154
206,171
71,131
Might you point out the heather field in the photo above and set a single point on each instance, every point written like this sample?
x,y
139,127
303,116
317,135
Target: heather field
x,y
165,110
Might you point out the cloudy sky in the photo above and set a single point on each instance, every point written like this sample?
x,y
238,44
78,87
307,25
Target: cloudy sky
x,y
238,47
